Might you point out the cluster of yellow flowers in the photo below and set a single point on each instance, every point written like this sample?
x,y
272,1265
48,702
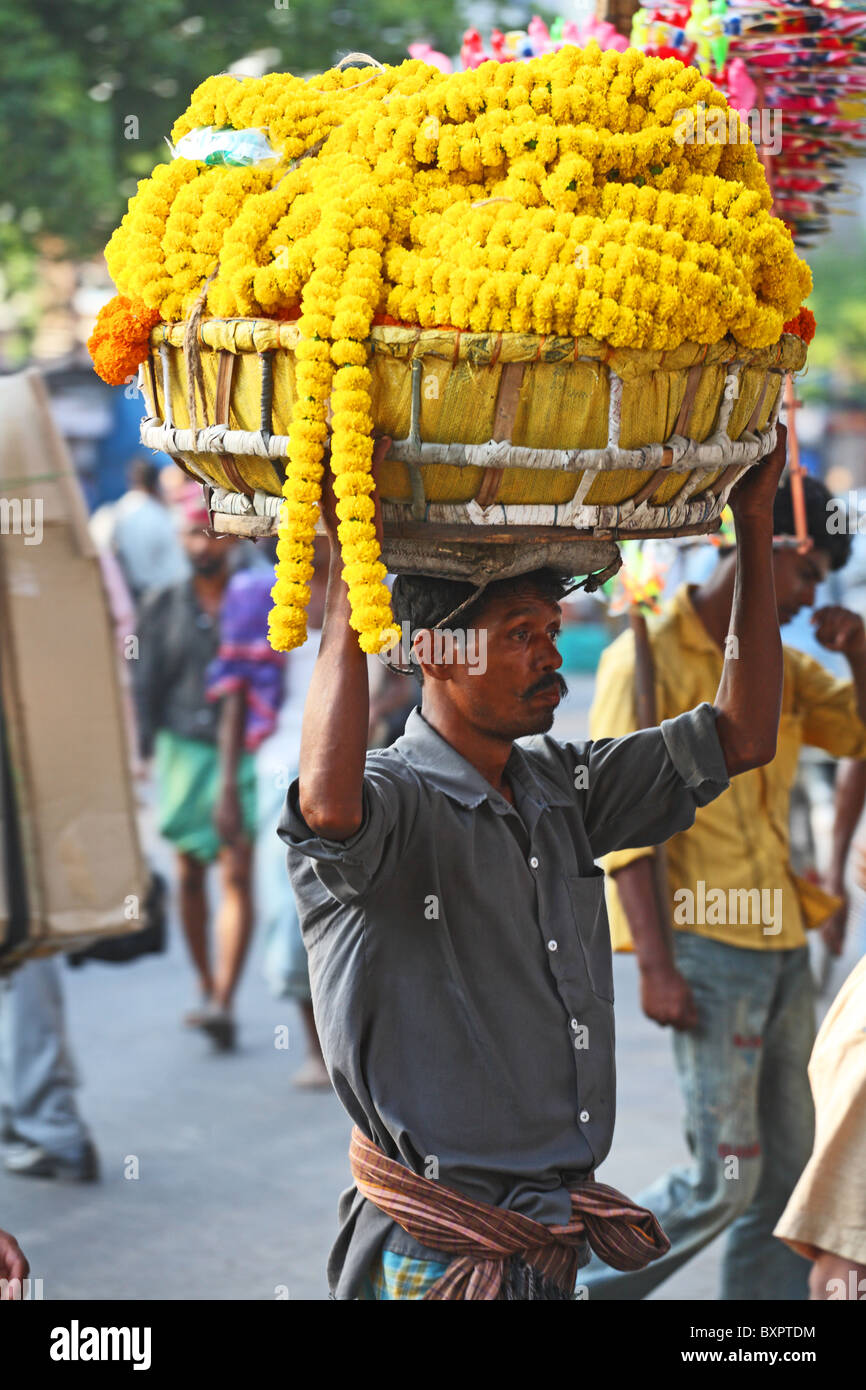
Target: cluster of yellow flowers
x,y
562,195
332,369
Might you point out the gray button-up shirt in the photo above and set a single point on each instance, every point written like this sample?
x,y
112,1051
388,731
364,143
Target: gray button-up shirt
x,y
460,957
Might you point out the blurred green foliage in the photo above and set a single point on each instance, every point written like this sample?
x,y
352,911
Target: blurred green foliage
x,y
73,71
838,301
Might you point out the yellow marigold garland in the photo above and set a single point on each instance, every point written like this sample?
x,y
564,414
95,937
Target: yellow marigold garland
x,y
553,196
135,254
308,431
351,423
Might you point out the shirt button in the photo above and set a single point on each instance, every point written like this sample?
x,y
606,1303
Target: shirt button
x,y
551,945
533,863
575,1025
584,1116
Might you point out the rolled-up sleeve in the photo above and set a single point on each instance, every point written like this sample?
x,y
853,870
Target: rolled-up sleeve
x,y
646,787
831,719
351,868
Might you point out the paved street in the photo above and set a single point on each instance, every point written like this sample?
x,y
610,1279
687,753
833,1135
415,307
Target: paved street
x,y
239,1173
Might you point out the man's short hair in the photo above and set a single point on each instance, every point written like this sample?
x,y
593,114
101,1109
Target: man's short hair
x,y
144,474
816,495
423,600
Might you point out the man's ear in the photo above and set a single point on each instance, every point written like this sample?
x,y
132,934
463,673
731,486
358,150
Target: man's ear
x,y
423,648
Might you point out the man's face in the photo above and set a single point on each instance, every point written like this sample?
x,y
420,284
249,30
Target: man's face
x,y
207,554
797,577
518,691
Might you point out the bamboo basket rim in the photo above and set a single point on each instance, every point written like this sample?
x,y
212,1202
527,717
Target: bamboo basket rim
x,y
261,335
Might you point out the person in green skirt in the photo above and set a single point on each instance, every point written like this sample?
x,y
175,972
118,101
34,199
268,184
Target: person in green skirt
x,y
194,719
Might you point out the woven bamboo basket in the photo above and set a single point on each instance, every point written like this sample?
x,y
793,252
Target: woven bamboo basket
x,y
509,450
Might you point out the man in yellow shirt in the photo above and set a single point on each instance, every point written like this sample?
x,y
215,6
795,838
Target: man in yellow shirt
x,y
733,980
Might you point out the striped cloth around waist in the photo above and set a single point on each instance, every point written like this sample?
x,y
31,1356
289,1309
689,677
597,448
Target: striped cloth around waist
x,y
484,1242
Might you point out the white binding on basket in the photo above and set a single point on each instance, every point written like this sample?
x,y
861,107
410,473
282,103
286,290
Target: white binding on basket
x,y
678,454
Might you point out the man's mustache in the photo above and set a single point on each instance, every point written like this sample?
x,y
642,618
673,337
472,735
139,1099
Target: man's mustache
x,y
553,678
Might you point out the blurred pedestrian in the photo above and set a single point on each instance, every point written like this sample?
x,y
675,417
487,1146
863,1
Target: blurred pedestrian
x,y
285,957
733,979
45,1134
144,534
247,664
825,1219
206,805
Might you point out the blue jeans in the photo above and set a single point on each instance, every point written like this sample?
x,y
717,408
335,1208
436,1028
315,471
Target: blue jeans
x,y
37,1072
749,1123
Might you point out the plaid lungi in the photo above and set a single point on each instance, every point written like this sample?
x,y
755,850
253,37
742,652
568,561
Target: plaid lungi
x,y
394,1276
481,1239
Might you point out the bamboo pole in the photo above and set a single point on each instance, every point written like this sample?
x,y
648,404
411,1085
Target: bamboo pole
x,y
795,468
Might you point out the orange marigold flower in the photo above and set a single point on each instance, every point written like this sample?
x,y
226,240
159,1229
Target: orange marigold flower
x,y
120,338
802,324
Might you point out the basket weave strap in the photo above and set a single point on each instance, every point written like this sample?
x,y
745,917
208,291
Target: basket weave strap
x,y
692,384
222,406
507,399
192,353
650,486
151,378
726,475
753,418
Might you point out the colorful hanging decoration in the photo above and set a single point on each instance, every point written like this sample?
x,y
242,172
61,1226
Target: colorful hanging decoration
x,y
640,581
795,70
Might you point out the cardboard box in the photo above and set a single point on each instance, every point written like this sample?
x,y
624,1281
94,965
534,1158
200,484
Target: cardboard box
x,y
77,871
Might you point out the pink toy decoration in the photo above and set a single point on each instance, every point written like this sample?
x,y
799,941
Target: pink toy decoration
x,y
497,43
472,53
604,34
740,89
539,35
425,54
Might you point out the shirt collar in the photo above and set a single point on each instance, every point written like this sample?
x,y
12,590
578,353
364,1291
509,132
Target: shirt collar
x,y
439,763
692,632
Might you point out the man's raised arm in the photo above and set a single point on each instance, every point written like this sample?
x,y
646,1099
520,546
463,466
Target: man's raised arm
x,y
336,713
750,692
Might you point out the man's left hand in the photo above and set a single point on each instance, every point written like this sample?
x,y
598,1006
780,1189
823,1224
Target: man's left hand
x,y
832,931
840,630
755,490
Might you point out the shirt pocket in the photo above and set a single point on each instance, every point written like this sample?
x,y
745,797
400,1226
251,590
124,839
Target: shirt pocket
x,y
593,932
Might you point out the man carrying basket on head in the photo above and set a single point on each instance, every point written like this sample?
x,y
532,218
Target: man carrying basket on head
x,y
456,929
